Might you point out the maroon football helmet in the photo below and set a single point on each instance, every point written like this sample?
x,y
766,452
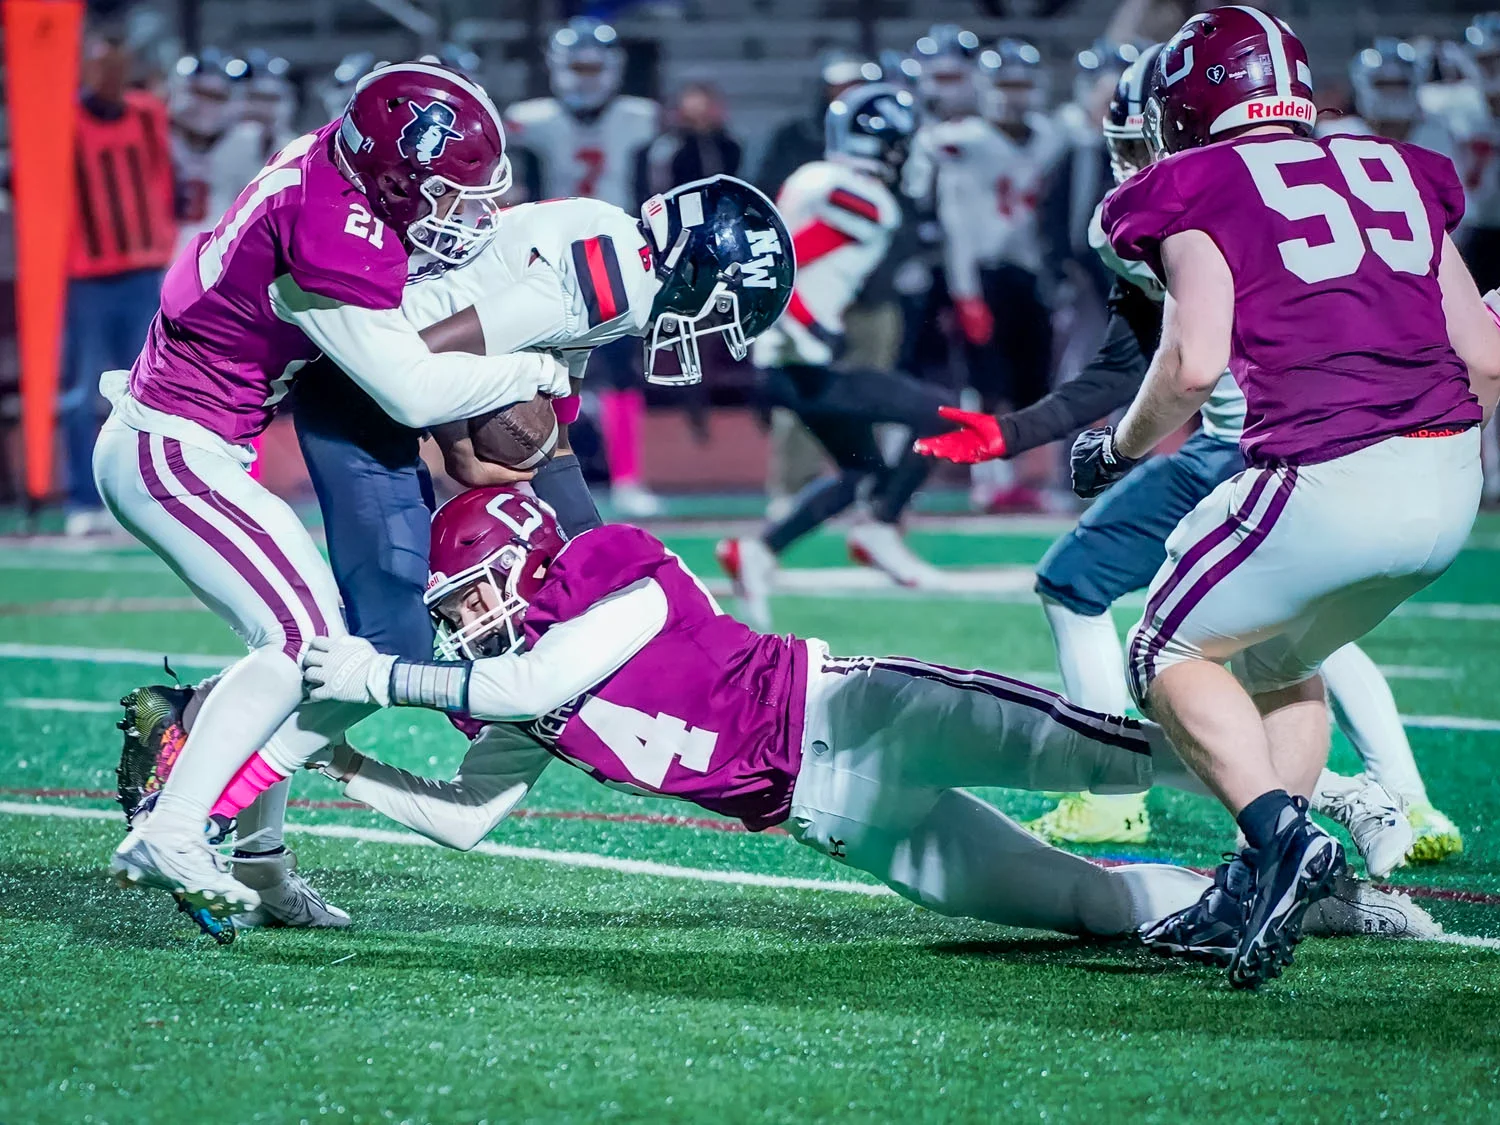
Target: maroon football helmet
x,y
1228,69
499,536
425,145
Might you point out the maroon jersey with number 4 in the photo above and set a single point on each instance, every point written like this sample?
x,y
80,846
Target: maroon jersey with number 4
x,y
709,711
1339,336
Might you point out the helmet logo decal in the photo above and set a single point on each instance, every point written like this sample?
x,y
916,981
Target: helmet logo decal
x,y
766,245
1215,73
690,207
522,528
428,132
1171,78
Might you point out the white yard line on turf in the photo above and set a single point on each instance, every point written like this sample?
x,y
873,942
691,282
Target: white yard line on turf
x,y
586,860
510,851
86,655
80,706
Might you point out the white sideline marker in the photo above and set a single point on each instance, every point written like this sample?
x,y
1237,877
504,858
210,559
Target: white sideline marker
x,y
585,860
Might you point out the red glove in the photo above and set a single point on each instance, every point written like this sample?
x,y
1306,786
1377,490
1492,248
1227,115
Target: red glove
x,y
979,439
974,319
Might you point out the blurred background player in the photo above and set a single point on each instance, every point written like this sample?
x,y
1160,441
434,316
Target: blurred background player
x,y
230,115
794,457
123,236
587,140
1120,543
1386,81
841,211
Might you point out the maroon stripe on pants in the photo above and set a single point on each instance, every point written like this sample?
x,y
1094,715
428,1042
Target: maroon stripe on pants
x,y
221,545
177,463
1184,566
1217,573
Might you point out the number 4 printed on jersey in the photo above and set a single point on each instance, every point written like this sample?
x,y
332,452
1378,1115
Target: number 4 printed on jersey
x,y
647,744
1342,256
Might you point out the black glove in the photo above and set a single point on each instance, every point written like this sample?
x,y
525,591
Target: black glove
x,y
1096,463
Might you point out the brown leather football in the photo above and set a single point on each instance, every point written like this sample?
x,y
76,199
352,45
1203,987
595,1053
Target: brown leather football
x,y
520,436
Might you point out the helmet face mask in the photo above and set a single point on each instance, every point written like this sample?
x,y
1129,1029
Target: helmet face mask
x,y
1124,121
723,257
478,613
461,221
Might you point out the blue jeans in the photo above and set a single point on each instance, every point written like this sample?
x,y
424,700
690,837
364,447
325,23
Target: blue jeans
x,y
377,501
1120,542
105,328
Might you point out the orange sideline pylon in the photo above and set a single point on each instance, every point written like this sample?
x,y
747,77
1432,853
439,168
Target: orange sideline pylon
x,y
43,40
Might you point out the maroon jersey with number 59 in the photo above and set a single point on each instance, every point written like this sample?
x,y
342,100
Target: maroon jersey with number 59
x,y
709,711
1339,335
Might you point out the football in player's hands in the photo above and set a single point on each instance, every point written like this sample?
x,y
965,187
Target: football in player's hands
x,y
520,436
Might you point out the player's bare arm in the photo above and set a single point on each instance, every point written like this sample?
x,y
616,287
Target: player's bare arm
x,y
1194,349
1471,327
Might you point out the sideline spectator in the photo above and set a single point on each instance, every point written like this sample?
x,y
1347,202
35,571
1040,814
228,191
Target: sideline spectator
x,y
696,144
123,236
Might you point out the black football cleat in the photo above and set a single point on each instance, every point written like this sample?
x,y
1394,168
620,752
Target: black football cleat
x,y
154,735
1208,931
1298,868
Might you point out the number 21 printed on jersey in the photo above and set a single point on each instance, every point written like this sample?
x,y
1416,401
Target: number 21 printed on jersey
x,y
1342,256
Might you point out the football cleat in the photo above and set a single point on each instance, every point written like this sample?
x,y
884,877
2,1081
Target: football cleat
x,y
286,899
184,865
1358,908
1095,818
635,502
1373,816
1210,929
222,930
751,566
880,545
1437,837
1296,869
154,736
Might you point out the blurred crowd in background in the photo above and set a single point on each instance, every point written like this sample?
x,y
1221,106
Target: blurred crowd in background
x,y
991,285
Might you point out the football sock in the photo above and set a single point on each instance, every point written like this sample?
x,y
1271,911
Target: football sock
x,y
560,484
260,824
254,778
819,502
899,485
622,416
247,705
1090,658
1366,712
1263,817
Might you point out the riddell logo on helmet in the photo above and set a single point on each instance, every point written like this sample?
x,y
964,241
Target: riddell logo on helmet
x,y
1281,109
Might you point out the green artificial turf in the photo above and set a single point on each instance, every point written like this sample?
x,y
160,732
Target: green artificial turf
x,y
502,988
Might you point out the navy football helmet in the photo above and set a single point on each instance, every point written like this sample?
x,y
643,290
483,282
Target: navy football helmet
x,y
724,259
871,127
1125,120
585,64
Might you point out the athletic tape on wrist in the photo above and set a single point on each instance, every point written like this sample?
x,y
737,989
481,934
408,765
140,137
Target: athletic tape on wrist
x,y
441,686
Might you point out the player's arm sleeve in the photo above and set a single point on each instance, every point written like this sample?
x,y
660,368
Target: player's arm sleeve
x,y
382,352
569,658
495,776
1108,382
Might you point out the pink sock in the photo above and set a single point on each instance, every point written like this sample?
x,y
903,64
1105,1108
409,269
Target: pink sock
x,y
255,465
254,778
623,415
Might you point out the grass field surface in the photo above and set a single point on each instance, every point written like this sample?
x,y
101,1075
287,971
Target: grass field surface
x,y
603,957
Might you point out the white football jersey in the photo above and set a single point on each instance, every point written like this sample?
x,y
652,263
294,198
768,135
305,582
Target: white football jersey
x,y
1223,414
986,188
593,158
563,274
1476,154
211,179
841,221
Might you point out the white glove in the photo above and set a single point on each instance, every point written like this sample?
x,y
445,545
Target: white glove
x,y
347,670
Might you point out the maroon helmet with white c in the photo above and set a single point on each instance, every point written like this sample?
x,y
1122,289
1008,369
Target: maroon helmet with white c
x,y
500,536
1228,69
425,145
